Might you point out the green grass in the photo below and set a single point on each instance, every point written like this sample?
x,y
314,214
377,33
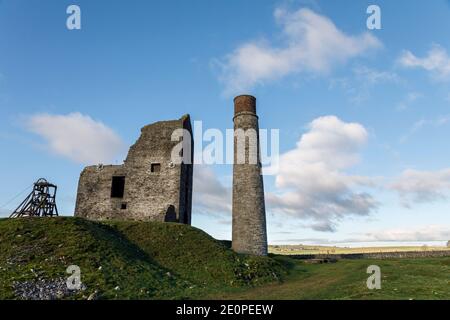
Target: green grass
x,y
150,260
145,260
194,255
401,279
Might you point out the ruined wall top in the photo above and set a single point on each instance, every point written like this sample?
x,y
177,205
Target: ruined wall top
x,y
155,139
182,122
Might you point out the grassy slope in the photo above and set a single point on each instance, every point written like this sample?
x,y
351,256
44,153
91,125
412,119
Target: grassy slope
x,y
346,279
30,247
194,255
145,260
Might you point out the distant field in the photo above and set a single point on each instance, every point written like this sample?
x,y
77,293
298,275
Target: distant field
x,y
306,249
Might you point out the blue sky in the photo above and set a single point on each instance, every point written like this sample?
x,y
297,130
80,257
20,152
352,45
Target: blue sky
x,y
364,115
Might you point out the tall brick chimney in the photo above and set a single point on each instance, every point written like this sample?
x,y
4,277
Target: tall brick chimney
x,y
249,213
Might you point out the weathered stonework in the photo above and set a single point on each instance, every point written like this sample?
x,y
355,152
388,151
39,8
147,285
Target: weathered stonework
x,y
162,195
249,213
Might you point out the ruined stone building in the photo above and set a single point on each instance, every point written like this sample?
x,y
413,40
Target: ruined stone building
x,y
148,186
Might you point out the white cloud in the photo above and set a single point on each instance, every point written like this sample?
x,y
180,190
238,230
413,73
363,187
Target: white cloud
x,y
359,86
405,236
437,62
409,99
312,43
77,137
373,76
210,196
312,176
422,123
422,186
422,233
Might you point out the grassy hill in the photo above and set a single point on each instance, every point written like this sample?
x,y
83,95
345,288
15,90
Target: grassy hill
x,y
139,260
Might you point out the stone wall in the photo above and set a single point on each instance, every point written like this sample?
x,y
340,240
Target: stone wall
x,y
162,195
376,255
